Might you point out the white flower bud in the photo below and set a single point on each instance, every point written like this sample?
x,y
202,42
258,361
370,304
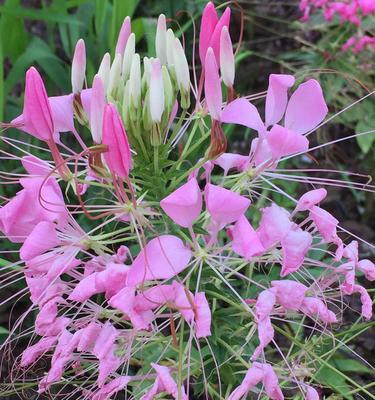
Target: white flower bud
x,y
227,66
104,70
156,92
128,56
135,80
168,89
170,46
181,67
161,40
79,67
115,74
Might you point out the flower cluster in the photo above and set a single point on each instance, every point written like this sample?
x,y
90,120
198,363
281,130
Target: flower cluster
x,y
130,251
351,11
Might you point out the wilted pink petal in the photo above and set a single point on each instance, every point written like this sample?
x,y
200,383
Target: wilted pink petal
x,y
312,394
123,300
289,294
284,142
118,156
229,161
265,334
79,66
351,251
271,383
277,97
242,112
108,364
208,24
253,376
162,258
245,240
368,268
155,297
167,384
212,86
265,303
313,306
123,36
106,392
32,353
202,315
84,289
104,342
224,205
184,205
184,301
112,279
274,225
325,222
89,335
365,300
42,238
306,108
294,246
310,199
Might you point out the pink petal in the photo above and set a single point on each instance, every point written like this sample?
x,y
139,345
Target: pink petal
x,y
118,156
227,64
229,161
265,334
212,86
245,240
274,225
35,166
351,251
104,342
253,376
88,337
242,112
32,353
123,300
271,383
290,294
62,113
224,205
184,205
310,199
37,112
42,238
155,297
208,24
277,97
312,394
284,142
265,303
306,108
202,315
294,246
162,258
106,392
365,300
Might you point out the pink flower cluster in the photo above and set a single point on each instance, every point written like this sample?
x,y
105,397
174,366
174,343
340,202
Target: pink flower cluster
x,y
93,301
352,11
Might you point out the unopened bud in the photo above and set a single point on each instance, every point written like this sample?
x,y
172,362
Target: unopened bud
x,y
170,47
123,36
128,56
227,67
161,40
104,70
98,103
168,89
135,80
114,74
182,73
146,74
156,92
79,67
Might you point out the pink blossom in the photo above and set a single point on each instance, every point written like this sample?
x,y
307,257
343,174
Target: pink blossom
x,y
123,36
109,389
325,222
212,86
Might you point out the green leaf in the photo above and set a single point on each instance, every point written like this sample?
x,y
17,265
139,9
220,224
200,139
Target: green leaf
x,y
349,365
365,141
